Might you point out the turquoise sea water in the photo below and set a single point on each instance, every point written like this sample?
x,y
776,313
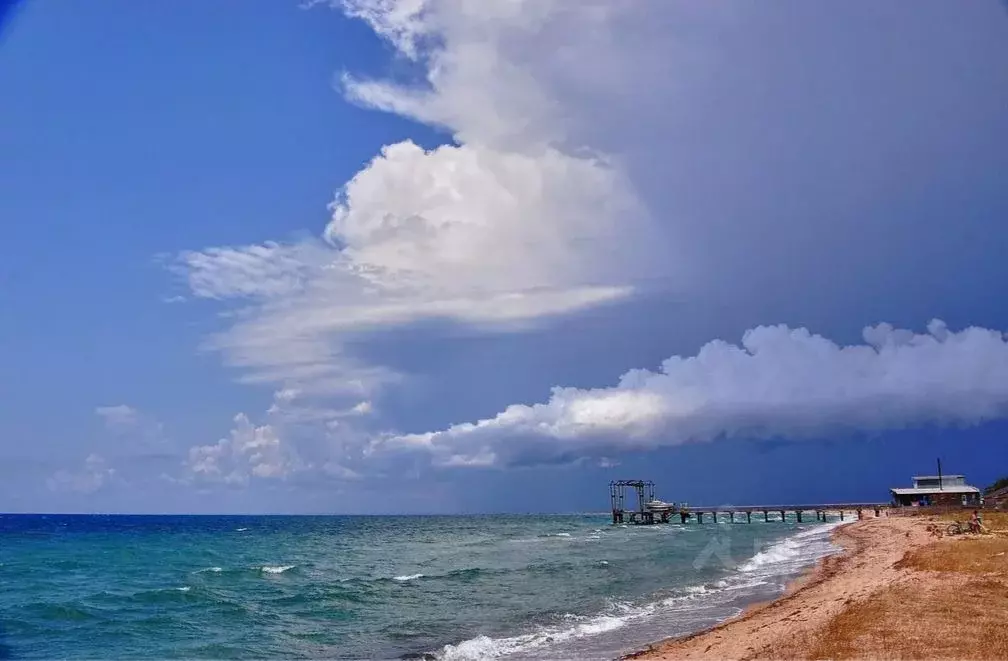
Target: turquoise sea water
x,y
462,587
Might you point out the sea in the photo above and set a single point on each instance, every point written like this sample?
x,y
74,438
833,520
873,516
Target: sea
x,y
379,587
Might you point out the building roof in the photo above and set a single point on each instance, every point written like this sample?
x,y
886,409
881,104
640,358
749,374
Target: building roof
x,y
935,477
934,490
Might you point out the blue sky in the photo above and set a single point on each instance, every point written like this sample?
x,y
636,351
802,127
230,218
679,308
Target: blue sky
x,y
397,256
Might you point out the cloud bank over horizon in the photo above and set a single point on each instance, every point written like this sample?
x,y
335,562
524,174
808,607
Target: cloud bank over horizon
x,y
779,382
718,152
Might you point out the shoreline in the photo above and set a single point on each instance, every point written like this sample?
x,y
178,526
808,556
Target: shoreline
x,y
867,548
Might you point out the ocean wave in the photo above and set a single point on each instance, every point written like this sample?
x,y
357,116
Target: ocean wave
x,y
183,594
768,566
781,552
68,611
736,583
247,569
485,647
573,627
66,563
461,575
470,574
787,555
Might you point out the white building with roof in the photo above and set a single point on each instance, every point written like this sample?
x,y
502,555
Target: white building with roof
x,y
937,490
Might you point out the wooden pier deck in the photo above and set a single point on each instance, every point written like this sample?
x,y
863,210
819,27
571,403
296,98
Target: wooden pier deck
x,y
649,510
744,513
820,510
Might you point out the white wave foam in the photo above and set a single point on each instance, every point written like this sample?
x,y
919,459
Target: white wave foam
x,y
780,558
562,534
592,627
735,583
410,577
240,529
278,569
485,647
184,588
620,614
781,552
480,647
791,553
215,570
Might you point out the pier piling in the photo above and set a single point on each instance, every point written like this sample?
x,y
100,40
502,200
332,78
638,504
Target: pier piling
x,y
649,510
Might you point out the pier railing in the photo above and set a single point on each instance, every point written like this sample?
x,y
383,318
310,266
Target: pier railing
x,y
694,513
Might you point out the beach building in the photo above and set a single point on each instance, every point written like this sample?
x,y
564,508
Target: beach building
x,y
936,490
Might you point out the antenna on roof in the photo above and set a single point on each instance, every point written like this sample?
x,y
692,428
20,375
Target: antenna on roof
x,y
939,474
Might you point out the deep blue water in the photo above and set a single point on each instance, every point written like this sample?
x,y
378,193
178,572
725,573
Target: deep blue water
x,y
243,587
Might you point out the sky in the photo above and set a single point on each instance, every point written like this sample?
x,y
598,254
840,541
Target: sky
x,y
434,256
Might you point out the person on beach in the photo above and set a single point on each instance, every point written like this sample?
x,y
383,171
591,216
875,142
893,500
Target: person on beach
x,y
975,524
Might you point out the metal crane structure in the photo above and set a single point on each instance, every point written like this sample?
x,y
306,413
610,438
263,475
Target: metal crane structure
x,y
649,509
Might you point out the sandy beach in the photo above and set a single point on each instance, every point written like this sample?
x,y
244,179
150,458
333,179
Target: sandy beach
x,y
897,590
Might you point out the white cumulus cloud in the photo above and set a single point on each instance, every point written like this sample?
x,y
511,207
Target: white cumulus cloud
x,y
141,430
599,145
510,224
779,382
249,451
597,148
89,478
118,417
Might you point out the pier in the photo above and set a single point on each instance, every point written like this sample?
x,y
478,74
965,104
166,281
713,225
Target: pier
x,y
646,509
